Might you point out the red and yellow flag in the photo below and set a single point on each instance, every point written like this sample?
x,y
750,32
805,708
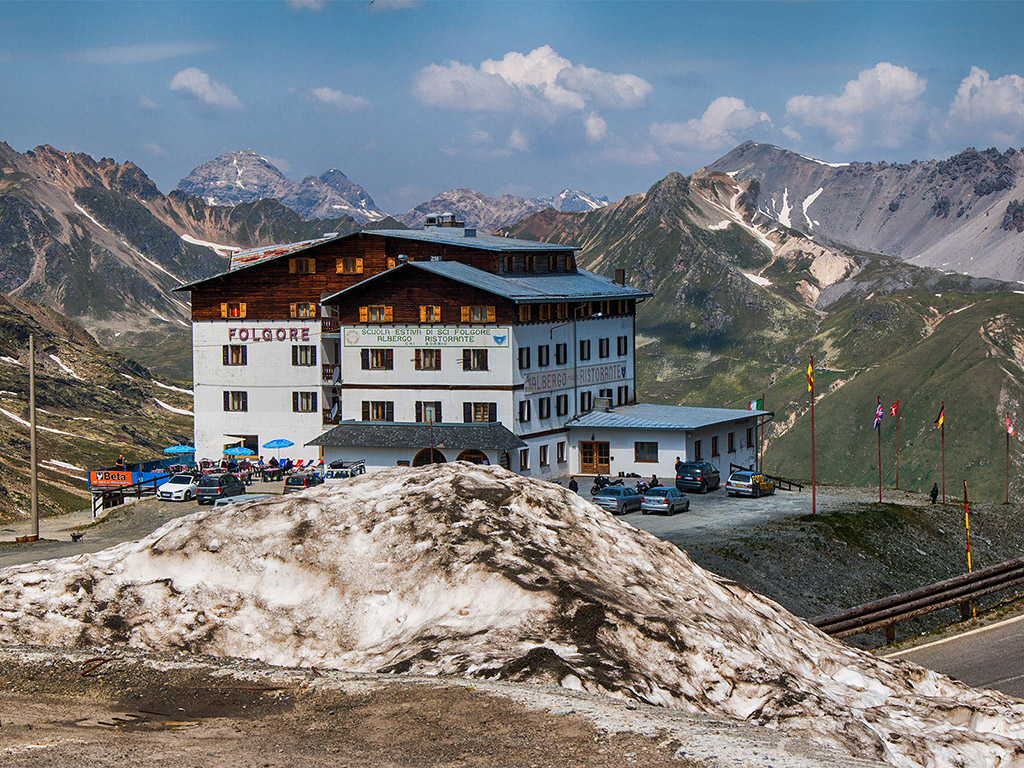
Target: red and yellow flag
x,y
810,377
942,412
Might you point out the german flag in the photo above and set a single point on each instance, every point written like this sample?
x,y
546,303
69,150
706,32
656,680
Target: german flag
x,y
942,412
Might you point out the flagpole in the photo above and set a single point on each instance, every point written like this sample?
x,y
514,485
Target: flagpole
x,y
942,429
814,489
897,445
760,450
967,525
879,431
1007,458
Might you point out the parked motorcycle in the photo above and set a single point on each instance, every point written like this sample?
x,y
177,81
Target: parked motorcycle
x,y
601,482
642,487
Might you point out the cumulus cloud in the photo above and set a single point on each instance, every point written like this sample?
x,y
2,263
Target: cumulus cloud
x,y
205,90
155,149
722,124
338,99
992,110
595,126
540,79
148,104
882,107
140,52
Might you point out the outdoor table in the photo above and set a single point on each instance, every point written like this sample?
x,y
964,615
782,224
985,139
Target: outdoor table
x,y
272,473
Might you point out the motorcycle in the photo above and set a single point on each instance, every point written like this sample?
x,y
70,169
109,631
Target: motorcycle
x,y
642,487
601,482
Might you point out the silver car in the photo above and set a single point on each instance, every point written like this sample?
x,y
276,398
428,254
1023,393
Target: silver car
x,y
618,499
665,501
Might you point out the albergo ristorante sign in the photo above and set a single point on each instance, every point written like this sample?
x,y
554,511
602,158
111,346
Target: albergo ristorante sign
x,y
426,336
249,335
589,375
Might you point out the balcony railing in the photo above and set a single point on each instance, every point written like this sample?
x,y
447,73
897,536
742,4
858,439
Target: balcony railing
x,y
331,418
330,325
330,373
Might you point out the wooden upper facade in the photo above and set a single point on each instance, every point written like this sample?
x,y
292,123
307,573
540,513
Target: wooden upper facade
x,y
292,285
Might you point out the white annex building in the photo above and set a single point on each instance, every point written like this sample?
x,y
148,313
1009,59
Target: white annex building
x,y
406,347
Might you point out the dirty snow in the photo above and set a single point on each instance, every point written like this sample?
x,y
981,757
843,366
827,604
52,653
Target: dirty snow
x,y
172,409
63,465
720,225
173,389
65,368
756,278
463,570
822,162
11,360
90,218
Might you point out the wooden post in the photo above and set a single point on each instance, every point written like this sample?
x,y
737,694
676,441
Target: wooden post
x,y
34,532
897,445
942,429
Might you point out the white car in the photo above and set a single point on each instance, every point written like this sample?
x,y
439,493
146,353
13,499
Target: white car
x,y
178,488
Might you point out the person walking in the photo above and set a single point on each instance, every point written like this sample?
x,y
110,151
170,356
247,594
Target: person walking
x,y
573,485
934,492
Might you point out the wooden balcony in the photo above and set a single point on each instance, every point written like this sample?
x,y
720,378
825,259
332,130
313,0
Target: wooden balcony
x,y
330,373
330,325
331,419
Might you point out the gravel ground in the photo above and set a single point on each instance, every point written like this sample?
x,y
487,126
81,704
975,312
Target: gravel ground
x,y
122,709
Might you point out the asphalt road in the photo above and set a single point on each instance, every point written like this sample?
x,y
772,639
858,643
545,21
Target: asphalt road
x,y
989,657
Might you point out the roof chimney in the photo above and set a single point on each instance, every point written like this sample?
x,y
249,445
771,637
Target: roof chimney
x,y
469,232
620,276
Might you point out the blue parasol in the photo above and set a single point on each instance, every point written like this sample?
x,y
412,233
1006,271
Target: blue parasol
x,y
278,444
180,449
238,450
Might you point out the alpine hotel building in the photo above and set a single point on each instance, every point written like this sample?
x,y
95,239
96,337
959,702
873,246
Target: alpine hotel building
x,y
406,346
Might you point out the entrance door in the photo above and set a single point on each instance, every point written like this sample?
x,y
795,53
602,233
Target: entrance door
x,y
594,458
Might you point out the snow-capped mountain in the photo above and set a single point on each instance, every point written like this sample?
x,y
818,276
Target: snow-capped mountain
x,y
492,213
246,176
962,214
455,569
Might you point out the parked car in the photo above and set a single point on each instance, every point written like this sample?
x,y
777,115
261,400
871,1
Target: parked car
x,y
749,484
699,476
217,486
181,487
342,470
239,499
618,499
301,482
665,500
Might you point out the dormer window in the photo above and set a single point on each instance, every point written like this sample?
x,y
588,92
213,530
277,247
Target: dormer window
x,y
302,266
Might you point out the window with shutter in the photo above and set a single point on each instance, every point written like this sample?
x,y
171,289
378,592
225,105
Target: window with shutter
x,y
389,411
490,314
419,410
364,314
467,413
224,310
366,410
364,359
227,401
493,412
466,314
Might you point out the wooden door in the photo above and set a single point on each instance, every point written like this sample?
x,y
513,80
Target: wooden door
x,y
594,458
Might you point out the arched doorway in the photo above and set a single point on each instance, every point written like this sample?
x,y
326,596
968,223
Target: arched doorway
x,y
423,458
473,455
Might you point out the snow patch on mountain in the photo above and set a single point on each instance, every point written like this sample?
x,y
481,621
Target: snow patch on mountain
x,y
456,569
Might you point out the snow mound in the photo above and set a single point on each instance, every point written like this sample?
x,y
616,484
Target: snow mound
x,y
463,570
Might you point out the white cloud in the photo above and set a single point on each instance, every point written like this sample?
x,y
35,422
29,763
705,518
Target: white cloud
x,y
722,124
987,109
882,107
306,5
201,87
147,103
338,99
155,150
384,6
595,126
517,141
790,133
140,52
538,80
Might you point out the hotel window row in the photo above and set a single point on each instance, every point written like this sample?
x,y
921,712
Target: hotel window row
x,y
544,358
429,410
555,262
238,354
383,359
529,313
302,402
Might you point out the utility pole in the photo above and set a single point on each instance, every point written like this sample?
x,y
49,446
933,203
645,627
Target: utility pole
x,y
34,533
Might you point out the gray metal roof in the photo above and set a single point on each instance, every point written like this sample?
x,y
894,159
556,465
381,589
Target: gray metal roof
x,y
442,235
650,416
538,289
457,236
389,434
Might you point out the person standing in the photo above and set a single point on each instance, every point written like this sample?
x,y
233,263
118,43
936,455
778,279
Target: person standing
x,y
573,485
934,492
679,464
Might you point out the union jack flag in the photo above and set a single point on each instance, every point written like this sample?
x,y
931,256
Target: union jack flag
x,y
878,416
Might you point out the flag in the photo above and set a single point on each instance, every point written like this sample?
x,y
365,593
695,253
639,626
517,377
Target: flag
x,y
942,412
755,405
810,377
878,416
894,409
1009,426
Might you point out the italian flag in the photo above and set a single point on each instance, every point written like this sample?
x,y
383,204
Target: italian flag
x,y
755,405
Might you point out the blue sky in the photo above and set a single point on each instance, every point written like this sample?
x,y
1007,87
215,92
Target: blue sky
x,y
411,98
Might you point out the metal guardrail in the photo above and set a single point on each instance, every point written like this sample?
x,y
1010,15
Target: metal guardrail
x,y
887,612
781,483
113,497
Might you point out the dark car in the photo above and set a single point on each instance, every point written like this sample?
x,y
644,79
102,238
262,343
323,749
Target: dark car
x,y
699,476
618,499
301,482
212,487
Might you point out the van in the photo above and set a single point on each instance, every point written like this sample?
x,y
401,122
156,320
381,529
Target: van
x,y
342,470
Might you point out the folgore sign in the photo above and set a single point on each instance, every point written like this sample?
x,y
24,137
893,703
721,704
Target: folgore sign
x,y
546,381
267,334
426,336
